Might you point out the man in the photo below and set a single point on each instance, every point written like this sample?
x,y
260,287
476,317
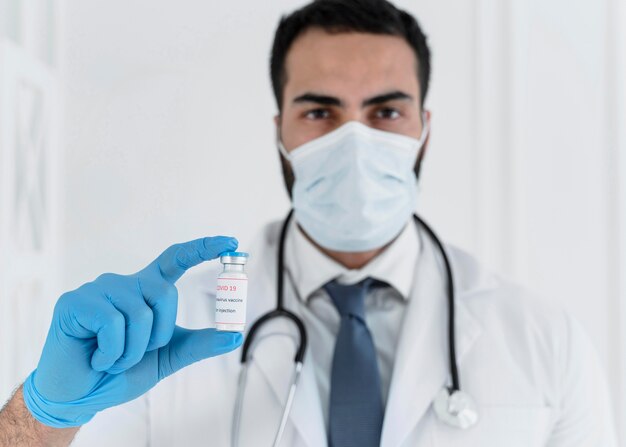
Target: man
x,y
350,79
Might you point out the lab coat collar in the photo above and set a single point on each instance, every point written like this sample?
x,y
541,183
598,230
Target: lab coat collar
x,y
310,268
276,365
421,368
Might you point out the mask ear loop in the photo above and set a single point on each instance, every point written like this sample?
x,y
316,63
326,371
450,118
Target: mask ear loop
x,y
425,130
280,146
422,142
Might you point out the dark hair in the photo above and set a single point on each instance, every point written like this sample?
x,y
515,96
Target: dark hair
x,y
337,16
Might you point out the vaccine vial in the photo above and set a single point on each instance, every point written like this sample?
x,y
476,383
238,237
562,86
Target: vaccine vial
x,y
232,293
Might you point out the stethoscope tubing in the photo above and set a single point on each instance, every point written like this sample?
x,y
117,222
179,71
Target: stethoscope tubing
x,y
454,370
280,310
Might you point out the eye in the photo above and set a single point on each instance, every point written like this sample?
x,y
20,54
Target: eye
x,y
316,114
387,113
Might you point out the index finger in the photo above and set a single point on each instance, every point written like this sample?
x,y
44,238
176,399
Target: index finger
x,y
179,258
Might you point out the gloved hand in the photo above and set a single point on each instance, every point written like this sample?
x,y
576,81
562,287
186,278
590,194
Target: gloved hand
x,y
113,339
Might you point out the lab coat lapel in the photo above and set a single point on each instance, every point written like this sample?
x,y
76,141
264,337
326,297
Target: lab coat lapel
x,y
274,354
306,413
421,367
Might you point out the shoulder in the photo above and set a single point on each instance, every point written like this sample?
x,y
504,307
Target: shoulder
x,y
511,311
528,334
477,285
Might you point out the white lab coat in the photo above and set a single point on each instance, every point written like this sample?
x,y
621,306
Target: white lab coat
x,y
530,367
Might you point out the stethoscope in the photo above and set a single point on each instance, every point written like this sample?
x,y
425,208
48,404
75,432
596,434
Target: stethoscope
x,y
452,406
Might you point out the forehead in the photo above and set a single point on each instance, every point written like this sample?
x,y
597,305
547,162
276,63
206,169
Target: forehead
x,y
349,64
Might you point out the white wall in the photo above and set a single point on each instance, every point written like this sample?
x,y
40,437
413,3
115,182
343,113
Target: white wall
x,y
168,136
30,163
169,133
617,123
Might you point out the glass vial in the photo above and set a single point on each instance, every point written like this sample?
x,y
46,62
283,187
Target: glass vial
x,y
232,293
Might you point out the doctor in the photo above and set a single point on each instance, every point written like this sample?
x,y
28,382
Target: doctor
x,y
350,78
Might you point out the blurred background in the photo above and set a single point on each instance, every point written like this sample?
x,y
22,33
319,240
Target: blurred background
x,y
124,123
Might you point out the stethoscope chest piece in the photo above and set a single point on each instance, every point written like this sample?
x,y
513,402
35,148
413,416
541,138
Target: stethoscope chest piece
x,y
456,409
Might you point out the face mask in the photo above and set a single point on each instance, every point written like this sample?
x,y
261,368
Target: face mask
x,y
354,187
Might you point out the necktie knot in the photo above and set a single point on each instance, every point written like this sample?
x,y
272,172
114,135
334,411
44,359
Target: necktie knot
x,y
349,298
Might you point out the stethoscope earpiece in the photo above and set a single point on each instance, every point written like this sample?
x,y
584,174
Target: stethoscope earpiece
x,y
456,408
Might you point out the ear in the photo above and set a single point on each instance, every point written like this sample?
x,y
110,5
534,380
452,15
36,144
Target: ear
x,y
428,115
277,125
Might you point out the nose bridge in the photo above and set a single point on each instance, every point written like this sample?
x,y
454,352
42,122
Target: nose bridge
x,y
353,112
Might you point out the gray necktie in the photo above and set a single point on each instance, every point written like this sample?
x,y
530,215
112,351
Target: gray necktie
x,y
356,408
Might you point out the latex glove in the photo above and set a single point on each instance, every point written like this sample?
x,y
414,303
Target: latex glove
x,y
113,339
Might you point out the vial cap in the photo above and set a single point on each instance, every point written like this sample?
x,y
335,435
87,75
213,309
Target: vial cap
x,y
235,253
234,257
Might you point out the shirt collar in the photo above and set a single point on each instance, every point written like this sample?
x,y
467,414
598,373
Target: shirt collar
x,y
310,268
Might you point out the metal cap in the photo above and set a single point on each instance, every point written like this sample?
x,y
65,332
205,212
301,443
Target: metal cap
x,y
234,257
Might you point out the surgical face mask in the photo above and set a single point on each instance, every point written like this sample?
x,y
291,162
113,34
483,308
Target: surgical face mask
x,y
355,187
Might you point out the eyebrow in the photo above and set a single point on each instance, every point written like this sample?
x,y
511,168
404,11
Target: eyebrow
x,y
334,101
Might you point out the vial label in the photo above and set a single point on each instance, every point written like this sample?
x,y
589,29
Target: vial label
x,y
230,303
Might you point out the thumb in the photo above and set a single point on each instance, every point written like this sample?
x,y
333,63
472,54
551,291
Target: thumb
x,y
188,346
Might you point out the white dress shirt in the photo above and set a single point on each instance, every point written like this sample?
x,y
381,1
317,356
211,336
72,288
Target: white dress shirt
x,y
308,268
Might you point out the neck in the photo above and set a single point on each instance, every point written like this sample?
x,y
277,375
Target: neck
x,y
350,260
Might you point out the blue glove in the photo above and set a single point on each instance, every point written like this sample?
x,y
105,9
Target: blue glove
x,y
113,339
